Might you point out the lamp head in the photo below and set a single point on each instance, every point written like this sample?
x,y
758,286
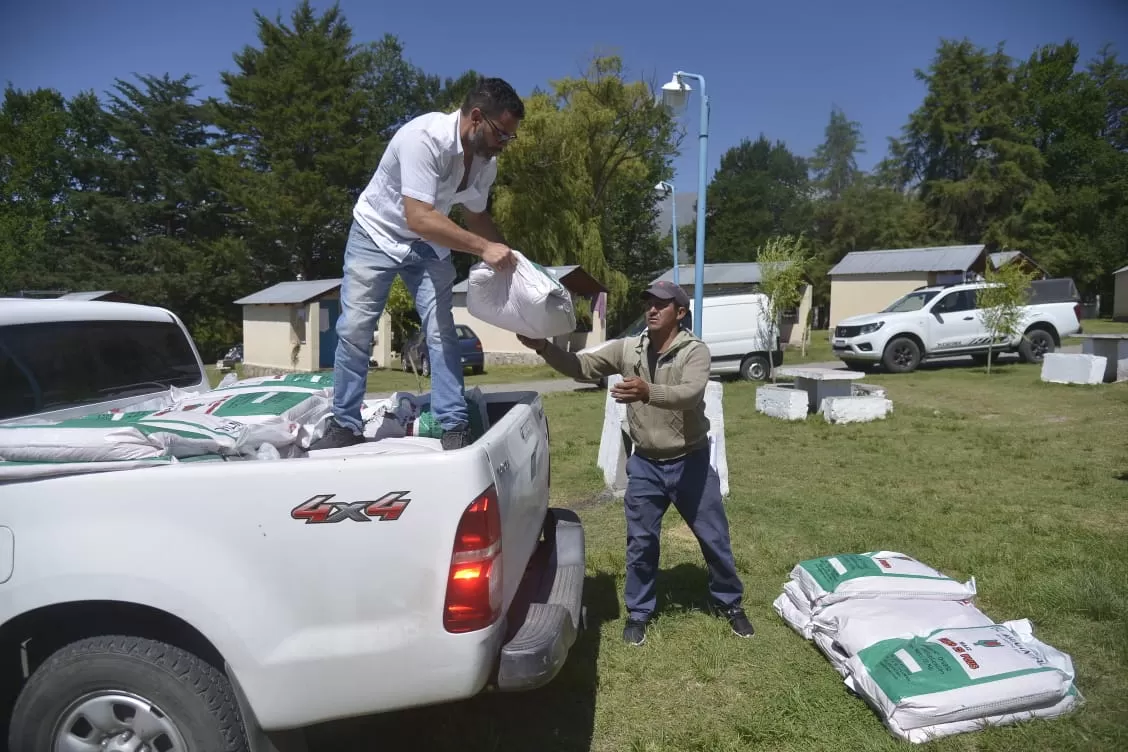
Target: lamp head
x,y
675,93
664,188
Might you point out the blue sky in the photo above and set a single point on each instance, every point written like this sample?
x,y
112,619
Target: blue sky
x,y
772,67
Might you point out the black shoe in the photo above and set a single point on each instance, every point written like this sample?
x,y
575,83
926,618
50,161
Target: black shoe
x,y
737,619
456,439
336,437
635,631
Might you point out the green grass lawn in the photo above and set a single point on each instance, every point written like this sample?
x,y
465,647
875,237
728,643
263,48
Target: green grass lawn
x,y
1021,484
1098,326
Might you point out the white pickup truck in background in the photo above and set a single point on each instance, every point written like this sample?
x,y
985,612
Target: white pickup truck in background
x,y
208,605
943,321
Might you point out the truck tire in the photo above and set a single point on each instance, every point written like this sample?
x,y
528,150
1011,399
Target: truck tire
x,y
111,688
755,368
1035,344
902,355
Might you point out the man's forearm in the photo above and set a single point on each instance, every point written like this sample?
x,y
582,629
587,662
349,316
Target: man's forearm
x,y
566,363
433,226
483,224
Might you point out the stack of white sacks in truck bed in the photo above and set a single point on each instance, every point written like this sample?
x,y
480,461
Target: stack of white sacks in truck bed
x,y
261,418
910,642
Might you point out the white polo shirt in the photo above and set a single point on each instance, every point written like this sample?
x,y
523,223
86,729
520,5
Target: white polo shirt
x,y
424,161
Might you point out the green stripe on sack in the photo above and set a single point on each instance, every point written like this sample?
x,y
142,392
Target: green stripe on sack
x,y
152,460
260,403
854,566
936,669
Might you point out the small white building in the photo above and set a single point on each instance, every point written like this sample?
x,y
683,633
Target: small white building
x,y
867,281
1120,294
501,346
292,326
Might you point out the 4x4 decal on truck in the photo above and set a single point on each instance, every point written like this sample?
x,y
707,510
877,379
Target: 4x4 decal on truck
x,y
318,509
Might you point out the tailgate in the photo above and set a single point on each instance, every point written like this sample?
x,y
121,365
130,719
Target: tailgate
x,y
517,448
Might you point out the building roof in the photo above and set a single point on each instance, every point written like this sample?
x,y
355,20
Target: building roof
x,y
291,292
951,258
582,283
1002,258
87,295
1121,270
736,273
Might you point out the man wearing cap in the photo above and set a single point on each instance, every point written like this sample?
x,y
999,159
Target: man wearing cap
x,y
664,372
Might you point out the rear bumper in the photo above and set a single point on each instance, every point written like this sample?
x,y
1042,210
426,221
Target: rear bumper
x,y
545,618
473,359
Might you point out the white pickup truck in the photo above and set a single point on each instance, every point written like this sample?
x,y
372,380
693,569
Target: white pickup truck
x,y
210,605
943,321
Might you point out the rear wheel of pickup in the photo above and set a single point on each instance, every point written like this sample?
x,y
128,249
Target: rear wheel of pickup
x,y
902,355
126,693
1035,344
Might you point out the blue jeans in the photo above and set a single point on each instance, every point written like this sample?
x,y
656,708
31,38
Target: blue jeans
x,y
368,277
692,484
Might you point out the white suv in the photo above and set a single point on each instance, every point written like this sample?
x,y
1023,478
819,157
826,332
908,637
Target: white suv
x,y
939,321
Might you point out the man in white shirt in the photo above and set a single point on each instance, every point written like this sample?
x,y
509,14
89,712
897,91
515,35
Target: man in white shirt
x,y
401,228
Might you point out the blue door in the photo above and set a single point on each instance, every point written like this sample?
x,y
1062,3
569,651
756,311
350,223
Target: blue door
x,y
332,309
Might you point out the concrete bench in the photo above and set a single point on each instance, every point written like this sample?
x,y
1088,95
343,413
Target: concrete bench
x,y
820,383
1113,348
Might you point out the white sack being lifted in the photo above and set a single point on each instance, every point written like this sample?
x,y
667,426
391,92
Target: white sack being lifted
x,y
526,300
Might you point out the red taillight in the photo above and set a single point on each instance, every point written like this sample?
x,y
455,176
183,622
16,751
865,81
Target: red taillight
x,y
473,596
477,345
1077,309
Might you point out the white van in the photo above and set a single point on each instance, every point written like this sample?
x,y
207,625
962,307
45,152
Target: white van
x,y
736,328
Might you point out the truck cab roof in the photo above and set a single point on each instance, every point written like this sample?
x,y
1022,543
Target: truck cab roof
x,y
46,310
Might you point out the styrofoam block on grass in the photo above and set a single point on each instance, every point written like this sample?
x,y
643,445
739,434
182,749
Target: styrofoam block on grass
x,y
614,447
1122,370
859,409
783,402
1073,368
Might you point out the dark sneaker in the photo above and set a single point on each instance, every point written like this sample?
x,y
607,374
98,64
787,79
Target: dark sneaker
x,y
456,439
336,437
738,620
635,631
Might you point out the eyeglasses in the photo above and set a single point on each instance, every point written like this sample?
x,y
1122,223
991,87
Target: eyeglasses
x,y
502,136
659,303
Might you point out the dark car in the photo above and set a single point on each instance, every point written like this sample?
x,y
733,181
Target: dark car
x,y
416,357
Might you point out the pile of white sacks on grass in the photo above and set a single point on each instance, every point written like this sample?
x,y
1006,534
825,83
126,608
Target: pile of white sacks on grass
x,y
261,418
910,642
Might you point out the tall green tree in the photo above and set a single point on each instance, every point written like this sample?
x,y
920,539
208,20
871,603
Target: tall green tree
x,y
577,187
34,176
762,189
303,131
964,145
834,166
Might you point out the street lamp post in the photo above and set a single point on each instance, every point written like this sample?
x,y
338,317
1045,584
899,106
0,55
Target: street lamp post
x,y
667,188
675,94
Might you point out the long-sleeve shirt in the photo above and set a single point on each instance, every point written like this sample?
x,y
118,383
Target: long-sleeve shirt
x,y
672,423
